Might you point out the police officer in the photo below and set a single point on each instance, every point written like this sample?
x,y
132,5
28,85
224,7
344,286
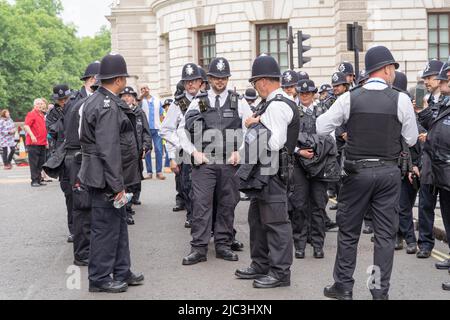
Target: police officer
x,y
309,197
362,78
109,166
271,243
289,82
192,81
427,198
302,75
251,96
221,114
205,85
81,206
408,192
144,142
377,118
349,71
89,81
437,151
55,128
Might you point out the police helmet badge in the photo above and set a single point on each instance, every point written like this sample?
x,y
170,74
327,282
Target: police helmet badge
x,y
342,67
427,67
189,70
335,77
221,65
288,77
61,92
305,86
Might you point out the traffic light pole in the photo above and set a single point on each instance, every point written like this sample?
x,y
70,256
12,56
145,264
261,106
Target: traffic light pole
x,y
290,43
355,41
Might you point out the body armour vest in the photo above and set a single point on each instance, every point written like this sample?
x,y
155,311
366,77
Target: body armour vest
x,y
374,131
222,126
309,117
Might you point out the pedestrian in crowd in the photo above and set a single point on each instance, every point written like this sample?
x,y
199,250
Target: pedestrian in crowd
x,y
166,104
154,112
36,141
7,142
271,243
222,113
427,196
109,166
377,118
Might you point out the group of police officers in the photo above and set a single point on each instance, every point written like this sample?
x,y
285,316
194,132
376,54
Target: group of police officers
x,y
288,154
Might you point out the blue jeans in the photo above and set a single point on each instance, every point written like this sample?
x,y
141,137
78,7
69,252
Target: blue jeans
x,y
167,160
158,147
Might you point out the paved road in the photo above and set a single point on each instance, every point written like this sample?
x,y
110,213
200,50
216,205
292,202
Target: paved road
x,y
34,256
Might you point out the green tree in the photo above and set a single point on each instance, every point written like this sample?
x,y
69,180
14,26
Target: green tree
x,y
38,51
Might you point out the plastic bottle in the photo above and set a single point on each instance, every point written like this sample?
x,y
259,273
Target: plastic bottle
x,y
120,203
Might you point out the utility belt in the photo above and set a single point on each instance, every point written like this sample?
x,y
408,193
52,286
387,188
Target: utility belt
x,y
215,158
352,166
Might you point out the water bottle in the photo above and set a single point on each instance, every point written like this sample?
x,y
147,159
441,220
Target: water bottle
x,y
120,203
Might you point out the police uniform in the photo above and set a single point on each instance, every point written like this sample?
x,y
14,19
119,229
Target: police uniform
x,y
175,114
427,197
109,166
308,198
377,117
271,242
219,114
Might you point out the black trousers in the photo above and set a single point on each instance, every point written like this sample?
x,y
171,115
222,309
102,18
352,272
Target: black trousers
x,y
210,182
81,234
36,158
109,252
444,198
408,197
7,157
427,205
271,243
179,199
185,188
378,189
136,191
308,200
66,187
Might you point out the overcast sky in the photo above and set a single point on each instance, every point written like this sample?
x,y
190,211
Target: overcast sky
x,y
87,15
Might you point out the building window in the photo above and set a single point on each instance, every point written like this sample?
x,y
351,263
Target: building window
x,y
206,47
438,35
272,40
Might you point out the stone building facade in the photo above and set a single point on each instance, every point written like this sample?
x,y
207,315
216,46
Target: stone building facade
x,y
157,37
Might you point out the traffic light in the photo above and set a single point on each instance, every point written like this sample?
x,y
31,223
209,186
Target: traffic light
x,y
302,49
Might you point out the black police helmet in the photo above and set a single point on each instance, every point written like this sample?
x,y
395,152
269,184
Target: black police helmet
x,y
443,73
339,78
325,87
112,66
61,91
180,88
302,75
96,84
379,57
92,70
250,94
204,75
191,72
128,90
363,76
305,86
289,79
219,68
400,82
265,67
433,68
168,102
346,68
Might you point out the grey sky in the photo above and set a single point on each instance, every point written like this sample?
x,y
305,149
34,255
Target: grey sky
x,y
87,15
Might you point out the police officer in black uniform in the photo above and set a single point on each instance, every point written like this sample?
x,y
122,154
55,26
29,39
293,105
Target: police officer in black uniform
x,y
437,151
89,81
109,166
220,114
302,75
289,82
427,198
271,242
144,142
192,80
309,195
81,206
377,118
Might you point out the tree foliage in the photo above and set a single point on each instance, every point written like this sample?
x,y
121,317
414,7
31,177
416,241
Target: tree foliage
x,y
38,51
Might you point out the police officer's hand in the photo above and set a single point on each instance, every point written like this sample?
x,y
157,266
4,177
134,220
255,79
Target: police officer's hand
x,y
251,121
174,167
344,136
120,195
235,159
416,172
307,154
199,158
423,137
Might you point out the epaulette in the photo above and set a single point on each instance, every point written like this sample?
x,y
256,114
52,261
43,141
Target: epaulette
x,y
203,101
